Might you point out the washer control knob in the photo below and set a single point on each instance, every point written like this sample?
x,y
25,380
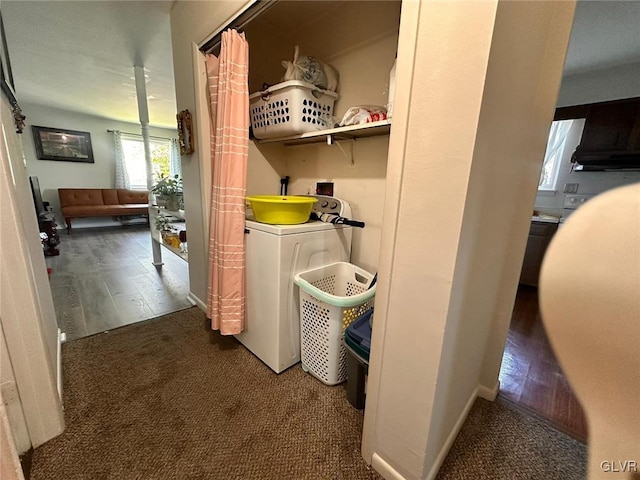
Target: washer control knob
x,y
324,204
333,205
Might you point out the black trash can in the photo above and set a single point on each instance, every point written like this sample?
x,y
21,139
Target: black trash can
x,y
357,341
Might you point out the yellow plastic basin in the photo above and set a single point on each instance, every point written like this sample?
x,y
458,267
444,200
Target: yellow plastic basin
x,y
281,210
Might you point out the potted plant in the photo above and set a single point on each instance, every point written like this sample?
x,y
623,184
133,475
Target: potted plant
x,y
163,223
169,190
167,231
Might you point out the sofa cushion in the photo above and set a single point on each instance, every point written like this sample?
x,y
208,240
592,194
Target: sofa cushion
x,y
80,196
133,196
110,196
87,210
104,210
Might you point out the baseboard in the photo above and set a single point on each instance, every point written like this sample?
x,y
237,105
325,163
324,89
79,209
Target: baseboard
x,y
62,337
389,473
384,469
452,436
196,302
489,393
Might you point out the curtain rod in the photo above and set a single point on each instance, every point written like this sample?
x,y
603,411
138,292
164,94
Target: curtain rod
x,y
212,45
139,135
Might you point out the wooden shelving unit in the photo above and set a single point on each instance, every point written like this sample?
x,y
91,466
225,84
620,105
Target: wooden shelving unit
x,y
350,132
157,236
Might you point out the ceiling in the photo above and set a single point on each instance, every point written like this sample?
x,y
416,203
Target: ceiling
x,y
79,55
605,34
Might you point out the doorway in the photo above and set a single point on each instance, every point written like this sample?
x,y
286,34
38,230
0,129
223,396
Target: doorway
x,y
530,376
104,279
104,276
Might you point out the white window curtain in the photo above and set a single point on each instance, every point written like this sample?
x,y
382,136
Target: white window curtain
x,y
175,165
122,176
553,155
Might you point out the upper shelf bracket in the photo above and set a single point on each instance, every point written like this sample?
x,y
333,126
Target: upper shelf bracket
x,y
348,156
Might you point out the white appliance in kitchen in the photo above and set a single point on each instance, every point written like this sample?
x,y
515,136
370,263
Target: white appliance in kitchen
x,y
275,253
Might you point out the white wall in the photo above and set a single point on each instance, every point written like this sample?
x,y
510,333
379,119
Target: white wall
x,y
451,245
600,85
364,78
53,174
364,73
589,183
362,184
11,399
429,161
494,232
27,315
10,468
266,166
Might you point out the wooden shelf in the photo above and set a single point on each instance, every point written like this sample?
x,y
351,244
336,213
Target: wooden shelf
x,y
340,133
154,211
177,251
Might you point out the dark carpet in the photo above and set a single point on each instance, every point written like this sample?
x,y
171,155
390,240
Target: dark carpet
x,y
169,399
500,442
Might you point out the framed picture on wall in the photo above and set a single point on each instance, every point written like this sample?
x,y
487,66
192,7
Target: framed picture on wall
x,y
62,145
185,133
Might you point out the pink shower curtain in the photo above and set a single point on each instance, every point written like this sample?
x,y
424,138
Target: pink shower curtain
x,y
229,97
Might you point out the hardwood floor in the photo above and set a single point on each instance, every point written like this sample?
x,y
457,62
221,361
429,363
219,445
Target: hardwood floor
x,y
530,376
104,278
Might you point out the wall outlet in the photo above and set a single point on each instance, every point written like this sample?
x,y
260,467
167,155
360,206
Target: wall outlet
x,y
574,201
50,209
570,188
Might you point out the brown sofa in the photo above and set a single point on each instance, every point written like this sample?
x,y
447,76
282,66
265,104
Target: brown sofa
x,y
101,202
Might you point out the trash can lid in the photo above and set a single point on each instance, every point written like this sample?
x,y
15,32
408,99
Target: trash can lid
x,y
356,351
360,331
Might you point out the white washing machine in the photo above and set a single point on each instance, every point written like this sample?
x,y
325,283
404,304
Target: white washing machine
x,y
275,253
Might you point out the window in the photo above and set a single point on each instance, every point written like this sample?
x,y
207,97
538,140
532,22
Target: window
x,y
553,156
133,149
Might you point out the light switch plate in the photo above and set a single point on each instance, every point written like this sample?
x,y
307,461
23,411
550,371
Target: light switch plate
x,y
574,201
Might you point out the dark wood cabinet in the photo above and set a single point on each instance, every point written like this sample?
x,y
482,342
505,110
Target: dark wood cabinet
x,y
611,135
609,127
540,235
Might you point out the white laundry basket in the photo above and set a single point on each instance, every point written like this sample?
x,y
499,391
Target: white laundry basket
x,y
331,297
290,108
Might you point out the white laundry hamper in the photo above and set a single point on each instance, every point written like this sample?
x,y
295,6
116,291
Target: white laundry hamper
x,y
290,108
331,298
